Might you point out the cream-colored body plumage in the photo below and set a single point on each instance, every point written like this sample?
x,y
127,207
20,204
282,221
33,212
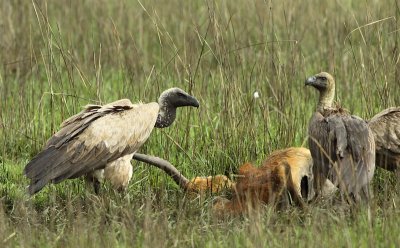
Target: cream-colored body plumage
x,y
119,172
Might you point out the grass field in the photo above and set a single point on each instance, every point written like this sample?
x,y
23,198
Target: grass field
x,y
57,56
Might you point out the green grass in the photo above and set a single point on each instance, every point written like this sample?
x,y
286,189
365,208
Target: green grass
x,y
57,56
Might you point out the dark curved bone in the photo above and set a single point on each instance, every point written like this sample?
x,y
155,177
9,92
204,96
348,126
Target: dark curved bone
x,y
165,166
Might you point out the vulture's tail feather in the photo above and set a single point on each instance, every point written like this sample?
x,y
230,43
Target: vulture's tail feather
x,y
35,187
42,168
40,162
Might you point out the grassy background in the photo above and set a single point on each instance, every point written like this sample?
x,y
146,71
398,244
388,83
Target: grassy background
x,y
57,56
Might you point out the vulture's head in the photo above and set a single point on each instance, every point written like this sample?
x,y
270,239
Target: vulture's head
x,y
169,101
325,84
176,97
322,81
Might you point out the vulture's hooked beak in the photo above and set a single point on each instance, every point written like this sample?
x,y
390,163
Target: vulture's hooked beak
x,y
311,81
192,101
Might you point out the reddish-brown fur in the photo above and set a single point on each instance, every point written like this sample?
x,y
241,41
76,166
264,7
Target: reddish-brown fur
x,y
268,184
300,163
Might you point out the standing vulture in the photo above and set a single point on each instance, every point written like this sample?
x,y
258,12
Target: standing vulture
x,y
102,137
386,129
342,145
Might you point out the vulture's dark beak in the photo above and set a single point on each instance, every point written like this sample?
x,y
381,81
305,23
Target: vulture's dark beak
x,y
192,101
310,81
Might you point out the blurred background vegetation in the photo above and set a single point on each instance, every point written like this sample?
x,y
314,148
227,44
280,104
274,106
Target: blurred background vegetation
x,y
57,56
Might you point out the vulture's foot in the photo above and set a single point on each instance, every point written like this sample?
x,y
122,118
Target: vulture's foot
x,y
96,186
92,180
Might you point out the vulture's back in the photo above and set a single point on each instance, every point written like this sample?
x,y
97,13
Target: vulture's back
x,y
386,129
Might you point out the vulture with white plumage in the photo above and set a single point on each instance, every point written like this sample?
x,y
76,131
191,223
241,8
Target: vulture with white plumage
x,y
386,129
342,145
103,137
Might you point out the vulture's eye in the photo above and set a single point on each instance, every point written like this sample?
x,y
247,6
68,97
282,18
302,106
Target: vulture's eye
x,y
181,94
322,78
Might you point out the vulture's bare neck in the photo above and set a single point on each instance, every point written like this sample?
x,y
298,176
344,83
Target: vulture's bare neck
x,y
326,99
166,115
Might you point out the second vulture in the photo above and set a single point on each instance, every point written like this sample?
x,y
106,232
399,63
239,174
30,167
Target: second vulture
x,y
386,129
103,137
342,145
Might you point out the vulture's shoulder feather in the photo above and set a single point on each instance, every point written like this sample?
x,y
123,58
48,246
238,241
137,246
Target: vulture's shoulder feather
x,y
356,167
74,125
319,138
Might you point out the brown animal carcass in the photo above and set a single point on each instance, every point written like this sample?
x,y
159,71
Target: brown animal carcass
x,y
277,182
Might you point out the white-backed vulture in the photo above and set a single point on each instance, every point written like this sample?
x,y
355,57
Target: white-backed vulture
x,y
342,145
100,135
386,129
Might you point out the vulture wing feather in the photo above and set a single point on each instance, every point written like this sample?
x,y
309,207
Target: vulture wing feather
x,y
342,147
320,148
356,166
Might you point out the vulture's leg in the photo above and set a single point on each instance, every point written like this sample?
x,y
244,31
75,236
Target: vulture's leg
x,y
397,179
346,197
317,184
367,193
95,178
397,173
122,190
96,186
362,196
354,198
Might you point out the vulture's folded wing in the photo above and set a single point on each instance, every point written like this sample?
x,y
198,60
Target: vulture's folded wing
x,y
74,125
343,150
355,164
320,147
91,139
